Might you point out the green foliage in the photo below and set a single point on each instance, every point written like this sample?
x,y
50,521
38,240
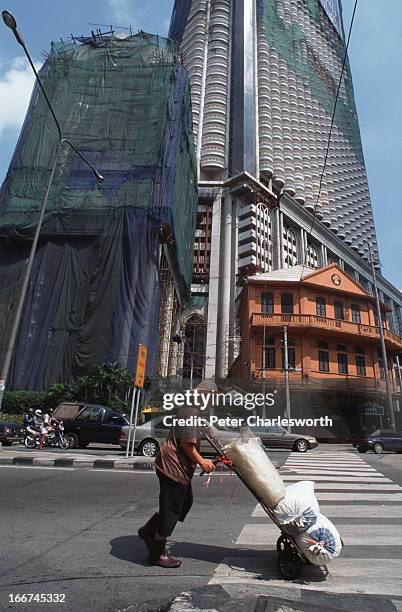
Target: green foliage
x,y
59,392
108,384
119,405
18,402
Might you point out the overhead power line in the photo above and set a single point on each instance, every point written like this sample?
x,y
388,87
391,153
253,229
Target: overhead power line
x,y
327,149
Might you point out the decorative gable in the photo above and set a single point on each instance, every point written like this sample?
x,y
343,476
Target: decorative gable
x,y
335,279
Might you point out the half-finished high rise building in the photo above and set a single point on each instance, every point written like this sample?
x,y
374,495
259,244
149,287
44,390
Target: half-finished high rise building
x,y
264,79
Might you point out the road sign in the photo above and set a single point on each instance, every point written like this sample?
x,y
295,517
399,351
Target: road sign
x,y
370,409
141,363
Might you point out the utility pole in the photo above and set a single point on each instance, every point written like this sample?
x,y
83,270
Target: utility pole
x,y
398,367
287,392
10,22
264,372
390,404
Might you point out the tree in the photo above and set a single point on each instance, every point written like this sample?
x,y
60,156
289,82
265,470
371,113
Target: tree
x,y
58,393
107,382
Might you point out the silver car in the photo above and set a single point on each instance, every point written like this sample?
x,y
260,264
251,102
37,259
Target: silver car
x,y
150,436
275,436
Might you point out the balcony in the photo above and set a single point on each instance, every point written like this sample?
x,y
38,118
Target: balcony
x,y
325,324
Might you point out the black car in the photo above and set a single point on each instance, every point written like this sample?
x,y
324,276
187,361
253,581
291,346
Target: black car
x,y
379,441
85,423
9,433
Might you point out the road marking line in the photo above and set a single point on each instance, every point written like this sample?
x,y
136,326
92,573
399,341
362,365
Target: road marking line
x,y
335,472
371,479
37,467
350,511
337,468
377,497
347,575
266,534
301,457
357,486
313,475
330,463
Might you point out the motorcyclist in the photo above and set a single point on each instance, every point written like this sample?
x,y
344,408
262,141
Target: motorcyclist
x,y
44,425
28,418
32,421
51,422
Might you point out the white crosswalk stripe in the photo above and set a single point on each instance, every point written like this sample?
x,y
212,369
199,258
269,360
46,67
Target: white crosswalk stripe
x,y
332,478
367,508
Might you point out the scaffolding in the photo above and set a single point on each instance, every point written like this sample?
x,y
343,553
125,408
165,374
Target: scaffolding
x,y
95,290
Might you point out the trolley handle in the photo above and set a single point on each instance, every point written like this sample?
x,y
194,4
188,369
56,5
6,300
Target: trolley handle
x,y
215,461
216,445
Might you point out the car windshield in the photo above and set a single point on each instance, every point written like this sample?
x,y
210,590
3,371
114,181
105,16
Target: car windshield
x,y
274,429
231,429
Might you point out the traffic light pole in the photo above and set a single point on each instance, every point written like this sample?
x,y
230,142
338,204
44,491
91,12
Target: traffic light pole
x,y
286,364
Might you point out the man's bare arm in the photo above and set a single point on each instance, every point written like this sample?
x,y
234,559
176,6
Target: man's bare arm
x,y
191,452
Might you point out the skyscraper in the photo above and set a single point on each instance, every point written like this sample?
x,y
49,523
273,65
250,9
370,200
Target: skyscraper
x,y
272,194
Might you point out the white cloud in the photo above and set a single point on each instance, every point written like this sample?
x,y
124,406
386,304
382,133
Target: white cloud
x,y
16,85
123,14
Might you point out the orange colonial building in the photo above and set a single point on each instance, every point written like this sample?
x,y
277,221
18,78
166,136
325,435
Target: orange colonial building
x,y
334,354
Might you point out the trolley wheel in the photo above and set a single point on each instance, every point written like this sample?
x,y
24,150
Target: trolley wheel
x,y
289,565
281,544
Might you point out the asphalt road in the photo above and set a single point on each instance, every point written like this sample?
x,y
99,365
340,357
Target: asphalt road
x,y
92,449
74,532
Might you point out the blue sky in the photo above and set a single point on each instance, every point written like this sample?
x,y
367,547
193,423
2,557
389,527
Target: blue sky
x,y
375,56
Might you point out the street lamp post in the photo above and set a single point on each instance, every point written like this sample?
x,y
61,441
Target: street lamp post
x,y
390,404
10,22
286,364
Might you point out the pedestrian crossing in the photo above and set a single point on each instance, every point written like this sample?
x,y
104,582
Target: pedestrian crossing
x,y
365,506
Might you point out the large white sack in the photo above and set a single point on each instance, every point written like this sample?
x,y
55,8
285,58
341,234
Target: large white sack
x,y
299,509
320,543
249,457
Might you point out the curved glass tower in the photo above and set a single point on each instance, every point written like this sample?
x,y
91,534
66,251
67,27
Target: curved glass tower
x,y
264,76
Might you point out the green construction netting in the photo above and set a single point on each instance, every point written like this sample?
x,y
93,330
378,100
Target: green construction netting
x,y
117,101
291,45
94,291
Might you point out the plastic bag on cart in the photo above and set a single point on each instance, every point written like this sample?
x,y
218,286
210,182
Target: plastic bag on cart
x,y
321,543
299,509
254,465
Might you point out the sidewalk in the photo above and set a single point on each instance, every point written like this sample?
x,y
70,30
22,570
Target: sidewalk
x,y
69,459
217,598
74,460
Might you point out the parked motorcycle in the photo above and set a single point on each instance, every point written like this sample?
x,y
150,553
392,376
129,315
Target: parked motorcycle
x,y
53,438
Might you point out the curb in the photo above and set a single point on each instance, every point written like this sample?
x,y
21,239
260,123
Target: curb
x,y
79,463
136,464
212,598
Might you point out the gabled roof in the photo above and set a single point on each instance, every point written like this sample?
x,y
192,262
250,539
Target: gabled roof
x,y
323,277
285,274
327,276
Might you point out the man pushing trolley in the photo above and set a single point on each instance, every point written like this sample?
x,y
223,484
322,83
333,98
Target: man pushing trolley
x,y
306,536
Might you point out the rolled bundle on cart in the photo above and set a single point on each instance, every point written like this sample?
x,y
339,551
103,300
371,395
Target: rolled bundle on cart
x,y
299,515
256,469
307,536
